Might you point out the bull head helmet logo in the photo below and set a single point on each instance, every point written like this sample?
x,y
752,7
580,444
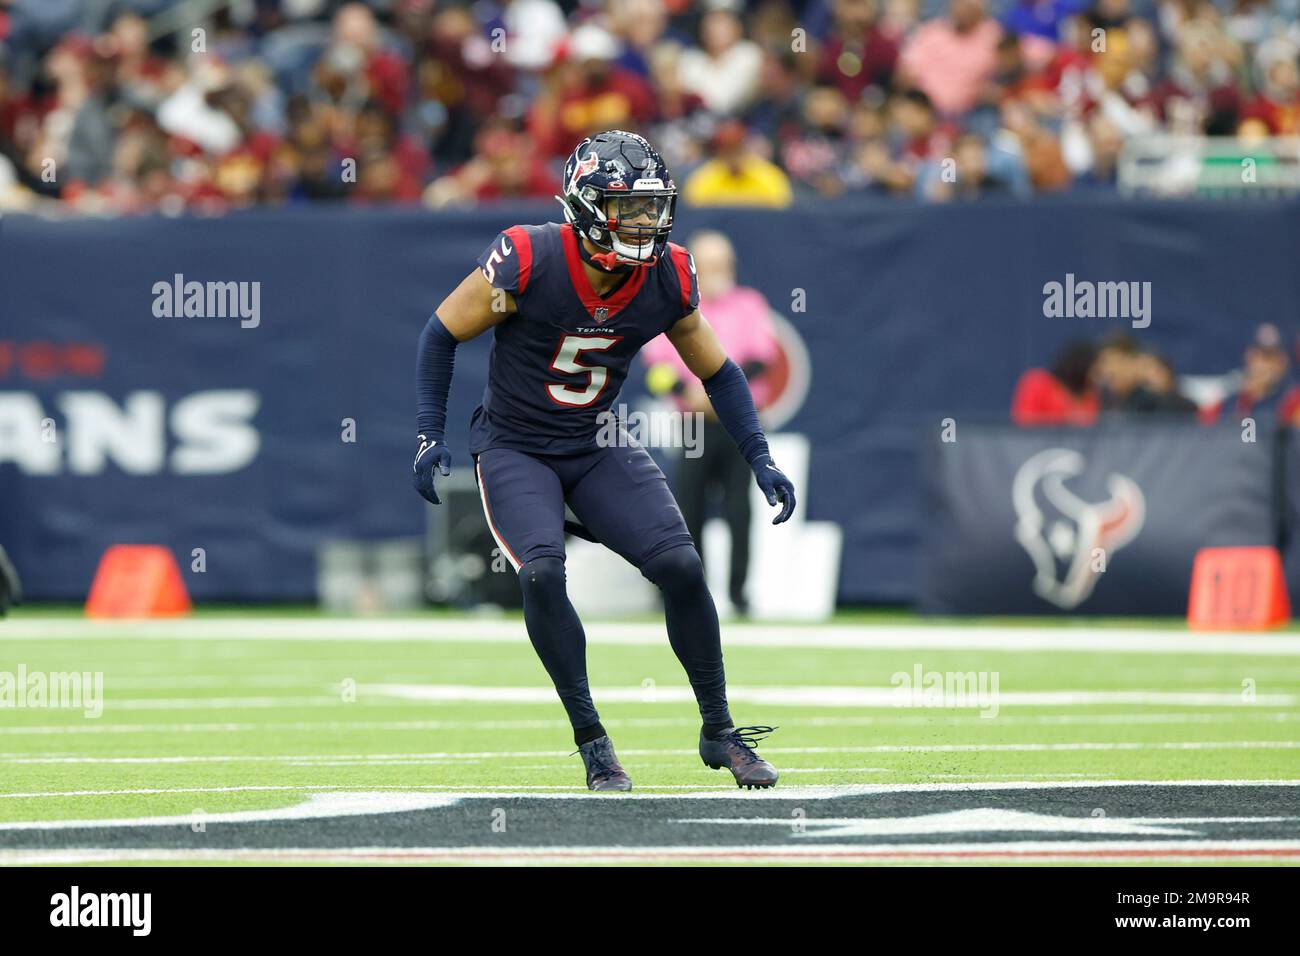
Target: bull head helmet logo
x,y
1065,534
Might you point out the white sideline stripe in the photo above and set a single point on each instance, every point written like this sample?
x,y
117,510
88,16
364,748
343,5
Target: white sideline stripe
x,y
455,756
850,636
1032,851
899,720
316,806
828,696
815,792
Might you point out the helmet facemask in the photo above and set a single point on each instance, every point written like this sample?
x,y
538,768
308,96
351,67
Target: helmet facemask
x,y
632,225
639,223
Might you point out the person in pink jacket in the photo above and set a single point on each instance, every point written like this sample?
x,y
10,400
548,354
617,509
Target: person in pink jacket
x,y
742,320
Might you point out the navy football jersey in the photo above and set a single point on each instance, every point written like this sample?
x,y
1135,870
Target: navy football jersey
x,y
558,363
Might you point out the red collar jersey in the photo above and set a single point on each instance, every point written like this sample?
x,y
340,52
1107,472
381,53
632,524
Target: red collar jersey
x,y
557,364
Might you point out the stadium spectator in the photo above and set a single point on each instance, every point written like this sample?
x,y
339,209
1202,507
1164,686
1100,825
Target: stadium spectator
x,y
1093,155
1118,371
1064,395
814,155
919,138
1277,103
1033,147
858,53
1200,89
951,58
742,319
971,174
504,167
724,70
1265,392
1158,391
640,25
737,175
585,91
1041,18
135,120
535,29
777,114
461,84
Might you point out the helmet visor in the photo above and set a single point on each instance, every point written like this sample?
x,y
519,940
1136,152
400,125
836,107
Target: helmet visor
x,y
641,217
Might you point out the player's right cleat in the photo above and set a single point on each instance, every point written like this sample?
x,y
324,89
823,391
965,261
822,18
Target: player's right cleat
x,y
734,749
603,769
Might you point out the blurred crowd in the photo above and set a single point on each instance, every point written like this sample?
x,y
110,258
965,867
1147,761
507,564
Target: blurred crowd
x,y
123,106
1117,377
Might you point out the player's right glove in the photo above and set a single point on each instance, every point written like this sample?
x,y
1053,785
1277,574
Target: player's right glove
x,y
431,454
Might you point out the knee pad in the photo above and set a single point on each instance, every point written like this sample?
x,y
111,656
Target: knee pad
x,y
676,568
542,576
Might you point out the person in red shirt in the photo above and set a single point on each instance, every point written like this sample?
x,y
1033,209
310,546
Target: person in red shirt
x,y
587,91
857,53
1063,395
1278,101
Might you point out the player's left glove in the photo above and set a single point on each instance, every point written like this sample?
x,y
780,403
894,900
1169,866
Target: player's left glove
x,y
431,454
775,486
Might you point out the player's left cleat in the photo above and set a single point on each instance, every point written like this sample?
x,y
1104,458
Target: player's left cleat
x,y
734,749
603,769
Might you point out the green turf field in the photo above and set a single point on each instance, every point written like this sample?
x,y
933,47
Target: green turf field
x,y
224,713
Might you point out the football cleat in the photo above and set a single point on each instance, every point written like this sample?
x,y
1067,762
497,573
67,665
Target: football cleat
x,y
603,769
734,749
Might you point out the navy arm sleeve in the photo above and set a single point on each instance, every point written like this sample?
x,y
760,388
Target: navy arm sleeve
x,y
728,390
434,363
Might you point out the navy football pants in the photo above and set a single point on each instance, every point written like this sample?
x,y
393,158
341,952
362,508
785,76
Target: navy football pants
x,y
622,498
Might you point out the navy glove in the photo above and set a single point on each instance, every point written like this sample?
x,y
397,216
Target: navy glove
x,y
775,486
431,454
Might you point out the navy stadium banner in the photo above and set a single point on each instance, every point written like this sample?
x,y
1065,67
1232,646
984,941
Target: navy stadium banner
x,y
123,419
1103,520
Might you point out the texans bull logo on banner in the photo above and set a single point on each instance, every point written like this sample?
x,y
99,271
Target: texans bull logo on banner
x,y
1065,535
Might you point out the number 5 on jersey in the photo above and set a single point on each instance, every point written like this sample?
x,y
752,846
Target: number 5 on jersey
x,y
566,360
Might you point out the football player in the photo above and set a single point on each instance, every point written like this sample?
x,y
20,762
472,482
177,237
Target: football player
x,y
570,304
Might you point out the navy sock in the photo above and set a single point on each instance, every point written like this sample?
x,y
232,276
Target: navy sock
x,y
692,627
558,638
585,735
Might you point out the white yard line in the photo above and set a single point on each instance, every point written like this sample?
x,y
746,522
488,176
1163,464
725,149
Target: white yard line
x,y
847,720
796,696
457,756
476,630
835,696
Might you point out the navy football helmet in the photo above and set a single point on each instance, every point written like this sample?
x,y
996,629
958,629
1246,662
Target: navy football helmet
x,y
618,193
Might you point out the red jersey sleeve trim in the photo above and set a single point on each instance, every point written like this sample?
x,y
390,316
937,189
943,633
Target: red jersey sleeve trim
x,y
524,249
682,263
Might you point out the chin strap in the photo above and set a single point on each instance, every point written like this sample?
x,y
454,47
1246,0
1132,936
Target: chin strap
x,y
610,261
